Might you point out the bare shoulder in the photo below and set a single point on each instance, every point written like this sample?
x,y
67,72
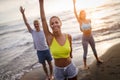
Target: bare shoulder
x,y
69,37
80,22
89,20
49,39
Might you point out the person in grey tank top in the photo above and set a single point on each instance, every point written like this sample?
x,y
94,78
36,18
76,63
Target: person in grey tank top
x,y
40,45
87,38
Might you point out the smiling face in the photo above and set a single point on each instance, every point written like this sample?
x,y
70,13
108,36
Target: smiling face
x,y
55,24
82,14
36,25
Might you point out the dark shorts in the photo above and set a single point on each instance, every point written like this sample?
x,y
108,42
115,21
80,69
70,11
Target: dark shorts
x,y
44,55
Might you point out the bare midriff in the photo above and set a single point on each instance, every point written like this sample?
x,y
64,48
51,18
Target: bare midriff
x,y
62,62
87,32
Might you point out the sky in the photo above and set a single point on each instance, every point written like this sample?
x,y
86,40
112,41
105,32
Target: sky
x,y
9,9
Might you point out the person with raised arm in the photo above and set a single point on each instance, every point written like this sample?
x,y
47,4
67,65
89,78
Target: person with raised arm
x,y
87,37
40,45
60,46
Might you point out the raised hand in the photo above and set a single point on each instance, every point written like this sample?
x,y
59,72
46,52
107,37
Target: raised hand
x,y
74,1
22,10
24,18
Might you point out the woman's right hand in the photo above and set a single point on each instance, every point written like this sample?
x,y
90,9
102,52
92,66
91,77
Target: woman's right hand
x,y
74,1
22,10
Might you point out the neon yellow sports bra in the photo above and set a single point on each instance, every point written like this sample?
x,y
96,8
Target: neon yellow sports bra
x,y
59,51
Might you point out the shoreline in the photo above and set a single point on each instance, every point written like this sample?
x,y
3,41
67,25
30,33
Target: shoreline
x,y
109,70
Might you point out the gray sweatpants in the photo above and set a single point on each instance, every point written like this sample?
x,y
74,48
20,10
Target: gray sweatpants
x,y
88,40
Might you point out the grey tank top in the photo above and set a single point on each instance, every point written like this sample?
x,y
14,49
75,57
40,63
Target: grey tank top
x,y
39,40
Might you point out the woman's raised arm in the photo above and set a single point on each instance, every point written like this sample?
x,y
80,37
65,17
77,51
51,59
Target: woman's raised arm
x,y
43,17
75,12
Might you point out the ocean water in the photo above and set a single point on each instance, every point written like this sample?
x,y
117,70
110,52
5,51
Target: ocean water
x,y
17,54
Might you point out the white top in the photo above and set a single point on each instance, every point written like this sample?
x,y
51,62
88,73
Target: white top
x,y
39,40
86,26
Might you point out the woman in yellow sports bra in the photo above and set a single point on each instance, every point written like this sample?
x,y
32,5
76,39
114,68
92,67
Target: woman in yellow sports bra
x,y
60,51
60,45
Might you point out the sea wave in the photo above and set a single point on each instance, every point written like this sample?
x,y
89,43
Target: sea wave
x,y
17,54
101,32
20,64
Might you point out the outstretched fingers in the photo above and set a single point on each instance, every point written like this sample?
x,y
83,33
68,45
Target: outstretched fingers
x,y
22,10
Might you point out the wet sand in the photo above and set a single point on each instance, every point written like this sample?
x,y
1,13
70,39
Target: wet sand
x,y
35,74
109,70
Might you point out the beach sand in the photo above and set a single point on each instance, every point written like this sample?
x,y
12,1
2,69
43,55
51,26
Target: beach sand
x,y
109,70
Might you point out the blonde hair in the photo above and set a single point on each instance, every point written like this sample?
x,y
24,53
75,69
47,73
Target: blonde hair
x,y
81,13
57,18
36,20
